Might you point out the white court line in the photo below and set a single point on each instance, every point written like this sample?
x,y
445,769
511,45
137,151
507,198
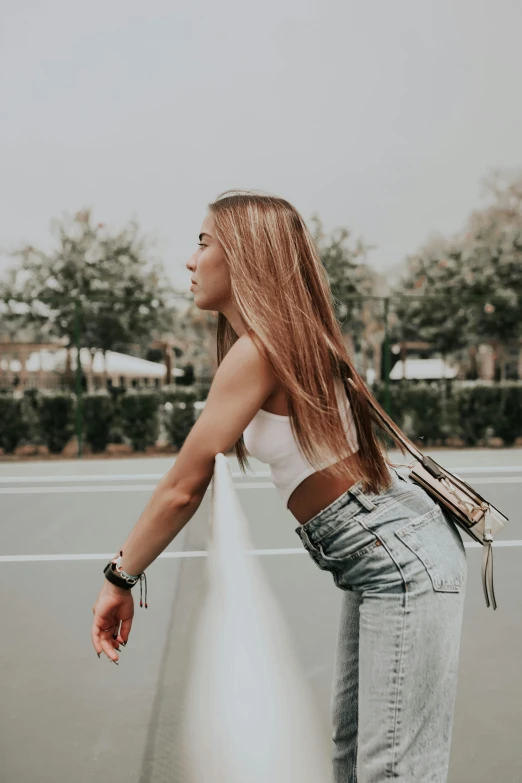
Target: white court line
x,y
66,479
80,479
113,488
67,490
198,553
152,487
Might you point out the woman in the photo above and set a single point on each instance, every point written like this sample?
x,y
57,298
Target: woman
x,y
286,390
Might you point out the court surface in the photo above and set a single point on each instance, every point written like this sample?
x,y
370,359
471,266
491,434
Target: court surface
x,y
66,715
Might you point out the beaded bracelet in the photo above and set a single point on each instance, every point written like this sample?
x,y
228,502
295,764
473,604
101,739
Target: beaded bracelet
x,y
117,576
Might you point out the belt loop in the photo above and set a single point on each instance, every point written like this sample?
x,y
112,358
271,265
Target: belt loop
x,y
303,535
362,498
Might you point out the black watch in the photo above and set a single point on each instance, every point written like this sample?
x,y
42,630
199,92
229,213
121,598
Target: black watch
x,y
117,580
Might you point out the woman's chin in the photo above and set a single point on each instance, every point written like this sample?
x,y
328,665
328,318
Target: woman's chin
x,y
200,302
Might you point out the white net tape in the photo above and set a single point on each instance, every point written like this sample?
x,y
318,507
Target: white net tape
x,y
249,714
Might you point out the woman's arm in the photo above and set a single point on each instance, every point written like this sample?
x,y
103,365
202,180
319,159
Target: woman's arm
x,y
242,383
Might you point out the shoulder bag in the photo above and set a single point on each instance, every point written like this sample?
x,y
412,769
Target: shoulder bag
x,y
470,511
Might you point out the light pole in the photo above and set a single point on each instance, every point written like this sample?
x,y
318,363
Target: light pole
x,y
79,390
387,403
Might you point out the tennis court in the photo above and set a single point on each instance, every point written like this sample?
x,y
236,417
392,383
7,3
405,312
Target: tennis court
x,y
65,714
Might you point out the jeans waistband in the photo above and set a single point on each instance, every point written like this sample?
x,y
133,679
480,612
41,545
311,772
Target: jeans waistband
x,y
350,503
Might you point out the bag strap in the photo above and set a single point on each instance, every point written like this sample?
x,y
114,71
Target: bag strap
x,y
427,462
406,442
390,426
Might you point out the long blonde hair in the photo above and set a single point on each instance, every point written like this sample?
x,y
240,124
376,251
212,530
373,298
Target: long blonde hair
x,y
281,290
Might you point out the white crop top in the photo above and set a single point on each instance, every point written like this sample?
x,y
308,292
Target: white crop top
x,y
269,438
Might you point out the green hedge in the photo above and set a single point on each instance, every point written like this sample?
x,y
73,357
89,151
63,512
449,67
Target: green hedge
x,y
13,427
202,391
140,418
485,409
116,432
428,412
474,412
179,412
420,410
98,415
179,422
56,415
31,416
177,394
197,393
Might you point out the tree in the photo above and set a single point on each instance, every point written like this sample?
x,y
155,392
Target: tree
x,y
196,334
472,282
123,296
434,299
492,251
350,278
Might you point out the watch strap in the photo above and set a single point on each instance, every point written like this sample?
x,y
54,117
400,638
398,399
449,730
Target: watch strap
x,y
116,580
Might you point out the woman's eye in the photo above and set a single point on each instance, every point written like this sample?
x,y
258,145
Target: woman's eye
x,y
201,244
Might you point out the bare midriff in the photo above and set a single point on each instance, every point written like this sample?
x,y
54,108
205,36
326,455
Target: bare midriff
x,y
317,491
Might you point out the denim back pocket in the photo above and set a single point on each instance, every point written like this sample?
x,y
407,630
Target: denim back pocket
x,y
437,544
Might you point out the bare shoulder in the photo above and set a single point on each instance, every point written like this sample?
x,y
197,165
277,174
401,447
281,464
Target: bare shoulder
x,y
247,370
248,353
241,384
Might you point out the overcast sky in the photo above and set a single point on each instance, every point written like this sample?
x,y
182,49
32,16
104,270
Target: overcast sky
x,y
381,115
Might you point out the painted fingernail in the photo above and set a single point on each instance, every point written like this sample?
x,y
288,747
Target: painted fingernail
x,y
116,662
98,654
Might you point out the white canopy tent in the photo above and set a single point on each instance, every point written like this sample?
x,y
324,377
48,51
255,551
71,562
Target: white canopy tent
x,y
422,369
114,366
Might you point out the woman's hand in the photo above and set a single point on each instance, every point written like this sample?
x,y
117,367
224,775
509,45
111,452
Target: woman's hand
x,y
114,604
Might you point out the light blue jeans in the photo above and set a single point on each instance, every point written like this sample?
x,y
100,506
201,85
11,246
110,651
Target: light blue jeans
x,y
402,566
